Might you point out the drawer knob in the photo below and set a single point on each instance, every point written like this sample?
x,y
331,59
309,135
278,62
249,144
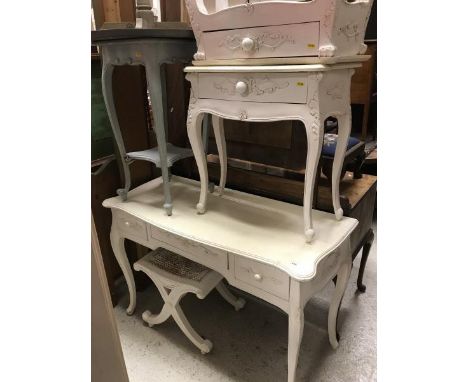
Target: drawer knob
x,y
127,224
258,276
248,44
241,88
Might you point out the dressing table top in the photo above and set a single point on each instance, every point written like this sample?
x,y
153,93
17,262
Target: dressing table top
x,y
251,226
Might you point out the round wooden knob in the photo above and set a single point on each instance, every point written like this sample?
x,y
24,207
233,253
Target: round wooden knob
x,y
248,44
127,224
242,88
258,276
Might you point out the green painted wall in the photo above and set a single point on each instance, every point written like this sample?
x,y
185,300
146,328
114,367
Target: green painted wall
x,y
101,132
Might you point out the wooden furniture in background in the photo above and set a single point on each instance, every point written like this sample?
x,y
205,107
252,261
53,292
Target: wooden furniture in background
x,y
362,85
114,13
255,243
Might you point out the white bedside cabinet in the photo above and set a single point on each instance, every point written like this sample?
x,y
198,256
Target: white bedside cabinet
x,y
259,29
308,93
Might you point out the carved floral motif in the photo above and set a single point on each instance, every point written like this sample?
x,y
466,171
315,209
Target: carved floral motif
x,y
350,31
270,40
243,115
256,86
193,101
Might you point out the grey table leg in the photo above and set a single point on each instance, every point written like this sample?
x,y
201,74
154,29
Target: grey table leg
x,y
154,78
107,71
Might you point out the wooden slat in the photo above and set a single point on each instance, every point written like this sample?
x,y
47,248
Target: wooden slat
x,y
108,13
272,134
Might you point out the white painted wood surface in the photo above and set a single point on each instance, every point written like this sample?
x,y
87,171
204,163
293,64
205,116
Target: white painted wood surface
x,y
257,228
253,242
257,29
308,93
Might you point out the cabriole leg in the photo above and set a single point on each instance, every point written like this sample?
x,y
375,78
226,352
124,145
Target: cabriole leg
x,y
314,130
218,128
118,247
154,78
107,92
194,125
237,303
296,329
344,130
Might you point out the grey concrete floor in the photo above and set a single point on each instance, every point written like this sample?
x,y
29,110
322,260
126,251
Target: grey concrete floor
x,y
251,345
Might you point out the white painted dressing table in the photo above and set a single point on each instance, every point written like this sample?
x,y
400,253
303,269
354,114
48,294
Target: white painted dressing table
x,y
308,93
254,242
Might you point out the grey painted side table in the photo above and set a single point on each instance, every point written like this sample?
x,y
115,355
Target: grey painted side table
x,y
167,43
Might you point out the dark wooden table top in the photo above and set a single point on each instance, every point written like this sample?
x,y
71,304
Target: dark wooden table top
x,y
166,30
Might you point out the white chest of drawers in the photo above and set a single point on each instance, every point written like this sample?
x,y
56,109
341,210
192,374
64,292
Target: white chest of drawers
x,y
308,93
254,242
257,29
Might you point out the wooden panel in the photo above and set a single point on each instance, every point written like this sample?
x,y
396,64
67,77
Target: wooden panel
x,y
361,87
170,10
361,82
184,17
113,12
272,134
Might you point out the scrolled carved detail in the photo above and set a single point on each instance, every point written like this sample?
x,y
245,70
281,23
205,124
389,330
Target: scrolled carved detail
x,y
195,27
269,40
256,86
243,115
193,101
351,31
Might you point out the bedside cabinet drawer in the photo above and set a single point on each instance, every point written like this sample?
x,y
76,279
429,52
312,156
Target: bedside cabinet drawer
x,y
290,40
131,225
254,87
262,276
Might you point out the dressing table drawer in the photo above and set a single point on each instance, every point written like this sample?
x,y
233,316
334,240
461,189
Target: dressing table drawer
x,y
254,87
262,276
131,225
208,256
290,40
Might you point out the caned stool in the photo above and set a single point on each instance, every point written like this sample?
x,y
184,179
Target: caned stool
x,y
175,276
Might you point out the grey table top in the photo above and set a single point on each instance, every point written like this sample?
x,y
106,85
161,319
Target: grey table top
x,y
163,30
